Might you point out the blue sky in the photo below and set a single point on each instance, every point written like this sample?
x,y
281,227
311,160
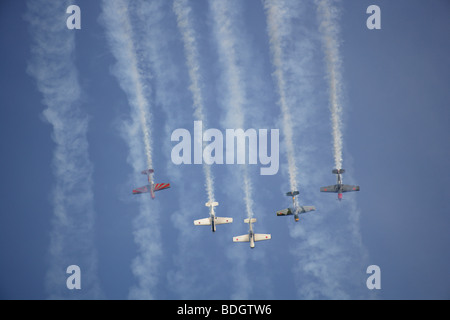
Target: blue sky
x,y
73,148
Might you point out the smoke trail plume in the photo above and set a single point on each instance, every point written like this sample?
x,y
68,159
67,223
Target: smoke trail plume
x,y
52,65
229,48
274,10
327,16
328,253
115,18
182,11
120,36
222,11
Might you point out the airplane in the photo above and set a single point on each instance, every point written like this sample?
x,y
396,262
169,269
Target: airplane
x,y
212,220
339,188
251,236
297,209
151,187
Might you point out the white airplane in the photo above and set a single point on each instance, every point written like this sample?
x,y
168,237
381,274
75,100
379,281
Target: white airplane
x,y
251,236
212,220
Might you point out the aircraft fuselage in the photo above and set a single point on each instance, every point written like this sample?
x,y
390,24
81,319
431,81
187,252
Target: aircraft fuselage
x,y
213,222
340,187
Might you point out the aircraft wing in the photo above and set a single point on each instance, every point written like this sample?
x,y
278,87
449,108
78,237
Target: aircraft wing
x,y
349,188
333,188
243,238
203,222
285,212
221,220
262,236
144,189
161,186
308,208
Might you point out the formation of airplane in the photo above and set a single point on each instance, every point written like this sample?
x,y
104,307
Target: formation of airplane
x,y
296,210
212,220
251,236
339,188
151,187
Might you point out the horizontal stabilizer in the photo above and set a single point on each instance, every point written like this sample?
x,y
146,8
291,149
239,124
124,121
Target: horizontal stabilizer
x,y
252,220
293,193
211,204
338,171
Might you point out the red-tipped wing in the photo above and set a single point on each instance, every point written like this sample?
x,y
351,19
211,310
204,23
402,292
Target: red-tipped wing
x,y
161,186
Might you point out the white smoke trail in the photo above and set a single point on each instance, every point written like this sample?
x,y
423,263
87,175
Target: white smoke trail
x,y
224,14
222,11
52,65
274,12
115,18
182,11
120,36
327,15
328,253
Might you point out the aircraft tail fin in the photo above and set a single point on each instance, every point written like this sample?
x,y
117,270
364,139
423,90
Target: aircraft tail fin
x,y
292,193
148,171
211,204
338,171
252,220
